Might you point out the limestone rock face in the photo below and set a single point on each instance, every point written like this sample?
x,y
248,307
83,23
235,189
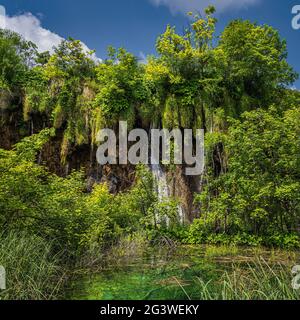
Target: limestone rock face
x,y
183,187
119,178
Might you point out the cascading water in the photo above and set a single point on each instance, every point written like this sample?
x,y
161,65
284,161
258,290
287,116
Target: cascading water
x,y
180,214
161,186
162,189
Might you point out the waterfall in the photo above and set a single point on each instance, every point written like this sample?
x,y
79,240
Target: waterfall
x,y
180,214
162,188
161,179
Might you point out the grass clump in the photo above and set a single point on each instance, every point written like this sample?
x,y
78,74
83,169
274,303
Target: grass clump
x,y
258,280
32,272
217,251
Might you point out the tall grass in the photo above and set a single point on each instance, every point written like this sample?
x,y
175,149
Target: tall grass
x,y
219,251
32,271
257,281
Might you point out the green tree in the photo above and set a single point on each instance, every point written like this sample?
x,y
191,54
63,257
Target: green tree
x,y
121,89
254,66
258,192
62,87
16,58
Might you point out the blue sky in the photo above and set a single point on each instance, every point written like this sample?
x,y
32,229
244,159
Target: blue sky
x,y
135,24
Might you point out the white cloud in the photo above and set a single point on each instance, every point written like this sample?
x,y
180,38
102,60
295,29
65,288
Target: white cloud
x,y
185,6
30,27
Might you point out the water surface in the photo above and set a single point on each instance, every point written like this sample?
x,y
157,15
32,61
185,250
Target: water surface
x,y
163,274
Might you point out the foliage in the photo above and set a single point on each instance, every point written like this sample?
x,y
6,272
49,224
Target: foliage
x,y
258,192
261,281
16,56
63,87
255,65
121,90
195,79
61,210
33,271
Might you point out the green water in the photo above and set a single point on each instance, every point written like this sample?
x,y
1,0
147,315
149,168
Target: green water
x,y
158,274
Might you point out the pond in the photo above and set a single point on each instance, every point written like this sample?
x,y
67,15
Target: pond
x,y
184,273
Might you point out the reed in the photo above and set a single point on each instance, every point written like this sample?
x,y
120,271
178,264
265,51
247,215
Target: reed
x,y
32,271
258,280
